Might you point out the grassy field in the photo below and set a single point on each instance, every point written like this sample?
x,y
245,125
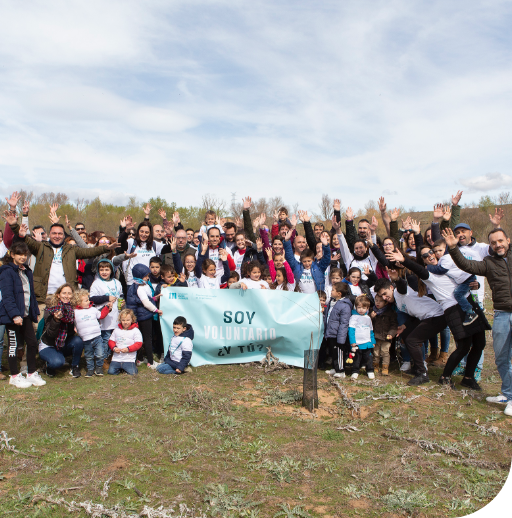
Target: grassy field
x,y
234,441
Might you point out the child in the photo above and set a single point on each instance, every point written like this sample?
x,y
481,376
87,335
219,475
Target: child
x,y
141,299
281,281
336,324
385,327
254,281
309,274
105,289
335,275
125,341
171,278
180,349
322,296
266,276
360,334
233,277
206,269
89,330
188,268
244,252
276,264
210,221
155,264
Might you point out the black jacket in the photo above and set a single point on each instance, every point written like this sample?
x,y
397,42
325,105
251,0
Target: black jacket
x,y
12,303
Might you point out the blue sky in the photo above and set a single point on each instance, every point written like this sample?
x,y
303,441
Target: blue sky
x,y
264,98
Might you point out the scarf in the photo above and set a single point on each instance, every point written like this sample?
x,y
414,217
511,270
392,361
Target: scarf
x,y
379,311
68,317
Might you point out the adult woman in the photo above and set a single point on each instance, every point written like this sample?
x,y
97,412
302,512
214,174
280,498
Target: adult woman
x,y
471,338
277,245
19,311
59,339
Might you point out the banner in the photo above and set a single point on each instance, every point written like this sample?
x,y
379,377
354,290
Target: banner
x,y
237,326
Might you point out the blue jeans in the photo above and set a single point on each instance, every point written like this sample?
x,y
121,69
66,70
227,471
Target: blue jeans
x,y
2,333
93,350
460,292
406,357
118,367
55,358
502,344
163,368
105,337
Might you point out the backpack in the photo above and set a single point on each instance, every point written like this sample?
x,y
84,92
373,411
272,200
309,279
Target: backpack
x,y
40,329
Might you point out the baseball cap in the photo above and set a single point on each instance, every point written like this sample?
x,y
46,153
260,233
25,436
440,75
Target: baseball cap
x,y
465,226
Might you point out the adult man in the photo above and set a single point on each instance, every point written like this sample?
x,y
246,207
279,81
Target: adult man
x,y
497,267
158,233
299,246
39,233
213,237
229,233
55,261
190,235
182,245
426,319
80,227
318,229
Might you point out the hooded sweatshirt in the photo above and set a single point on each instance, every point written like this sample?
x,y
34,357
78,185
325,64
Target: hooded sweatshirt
x,y
180,349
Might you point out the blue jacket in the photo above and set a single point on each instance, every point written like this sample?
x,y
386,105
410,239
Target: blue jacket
x,y
134,303
185,355
317,268
336,325
12,298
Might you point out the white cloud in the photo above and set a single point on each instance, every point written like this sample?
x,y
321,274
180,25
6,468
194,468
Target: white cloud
x,y
294,99
487,182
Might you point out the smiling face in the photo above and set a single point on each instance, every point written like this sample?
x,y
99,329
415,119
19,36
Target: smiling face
x,y
277,245
279,277
428,256
278,260
300,244
144,233
230,234
104,271
19,259
85,302
104,241
255,274
65,295
499,243
335,242
214,237
190,263
410,241
190,235
210,271
359,249
56,236
158,231
387,294
388,246
464,235
240,241
354,278
363,229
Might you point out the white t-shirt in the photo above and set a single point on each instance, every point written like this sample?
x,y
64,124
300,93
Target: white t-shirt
x,y
125,338
145,294
477,252
419,307
178,346
363,328
3,249
355,290
442,287
239,259
112,288
291,287
306,282
143,257
192,280
255,285
86,323
57,277
208,283
213,254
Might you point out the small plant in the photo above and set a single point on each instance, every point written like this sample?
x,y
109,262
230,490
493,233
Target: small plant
x,y
226,504
407,500
333,435
277,397
288,512
228,422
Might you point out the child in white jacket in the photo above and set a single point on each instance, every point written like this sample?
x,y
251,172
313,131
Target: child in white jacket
x,y
125,341
89,330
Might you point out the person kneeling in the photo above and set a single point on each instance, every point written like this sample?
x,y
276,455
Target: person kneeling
x,y
125,341
180,349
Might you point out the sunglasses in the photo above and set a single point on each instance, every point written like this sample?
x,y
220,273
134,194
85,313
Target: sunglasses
x,y
79,229
106,241
426,254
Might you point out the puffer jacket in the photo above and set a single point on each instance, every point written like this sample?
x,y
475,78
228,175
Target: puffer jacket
x,y
385,324
336,323
498,272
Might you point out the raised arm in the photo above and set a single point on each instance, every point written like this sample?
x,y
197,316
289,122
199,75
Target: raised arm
x,y
386,218
474,267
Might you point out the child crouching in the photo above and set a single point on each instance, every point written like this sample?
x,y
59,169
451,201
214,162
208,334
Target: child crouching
x,y
180,349
125,341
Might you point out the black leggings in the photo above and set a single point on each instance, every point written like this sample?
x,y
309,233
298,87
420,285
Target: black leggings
x,y
158,342
146,329
337,352
474,345
16,335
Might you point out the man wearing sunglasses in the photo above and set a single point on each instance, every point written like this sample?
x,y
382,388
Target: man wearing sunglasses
x,y
80,227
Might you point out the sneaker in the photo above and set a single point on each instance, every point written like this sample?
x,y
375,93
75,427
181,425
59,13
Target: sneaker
x,y
138,362
19,381
98,371
75,372
470,318
144,360
426,366
35,379
406,366
419,379
153,365
470,383
89,374
508,409
340,375
478,374
371,375
50,372
446,381
354,376
501,399
330,372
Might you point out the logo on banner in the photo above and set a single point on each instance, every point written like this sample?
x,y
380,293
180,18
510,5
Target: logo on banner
x,y
181,296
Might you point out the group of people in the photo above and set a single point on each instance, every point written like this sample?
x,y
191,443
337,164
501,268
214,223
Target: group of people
x,y
70,292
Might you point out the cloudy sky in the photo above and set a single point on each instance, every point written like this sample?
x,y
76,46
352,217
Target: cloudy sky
x,y
177,98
